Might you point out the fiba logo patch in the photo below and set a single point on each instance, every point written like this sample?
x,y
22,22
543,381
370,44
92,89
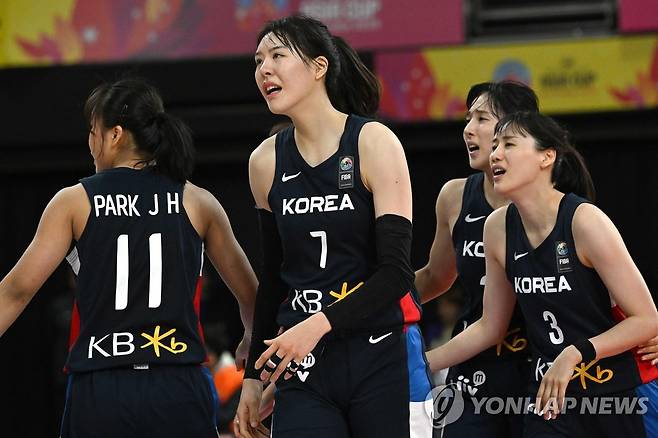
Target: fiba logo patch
x,y
346,173
447,405
561,249
346,164
562,257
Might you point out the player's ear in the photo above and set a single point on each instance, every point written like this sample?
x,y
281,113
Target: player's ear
x,y
548,158
117,134
321,66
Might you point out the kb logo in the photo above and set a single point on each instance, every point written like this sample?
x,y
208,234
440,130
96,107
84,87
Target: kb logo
x,y
447,405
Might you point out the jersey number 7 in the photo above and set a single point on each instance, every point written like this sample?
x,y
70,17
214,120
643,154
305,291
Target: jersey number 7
x,y
323,253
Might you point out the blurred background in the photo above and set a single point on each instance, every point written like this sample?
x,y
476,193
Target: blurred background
x,y
593,63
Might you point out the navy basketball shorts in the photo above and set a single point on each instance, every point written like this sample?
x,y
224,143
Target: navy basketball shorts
x,y
624,414
506,380
177,401
370,384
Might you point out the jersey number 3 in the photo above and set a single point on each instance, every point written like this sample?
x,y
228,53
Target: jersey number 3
x,y
155,271
555,335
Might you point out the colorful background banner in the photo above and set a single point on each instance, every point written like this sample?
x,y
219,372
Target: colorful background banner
x,y
367,24
573,76
81,31
638,15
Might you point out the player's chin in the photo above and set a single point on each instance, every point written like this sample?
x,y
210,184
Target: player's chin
x,y
501,188
478,160
277,107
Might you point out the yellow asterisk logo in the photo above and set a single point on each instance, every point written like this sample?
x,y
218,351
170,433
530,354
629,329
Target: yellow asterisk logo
x,y
517,343
581,371
343,292
174,347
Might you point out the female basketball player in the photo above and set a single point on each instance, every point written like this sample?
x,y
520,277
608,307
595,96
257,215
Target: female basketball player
x,y
461,209
138,231
564,261
334,201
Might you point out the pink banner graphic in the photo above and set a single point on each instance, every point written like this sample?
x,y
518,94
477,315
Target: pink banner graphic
x,y
412,91
638,15
119,30
366,24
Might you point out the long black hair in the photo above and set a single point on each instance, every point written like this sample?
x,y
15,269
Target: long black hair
x,y
504,97
164,140
351,86
569,172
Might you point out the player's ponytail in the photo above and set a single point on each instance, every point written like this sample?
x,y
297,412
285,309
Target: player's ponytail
x,y
569,173
173,153
351,86
164,141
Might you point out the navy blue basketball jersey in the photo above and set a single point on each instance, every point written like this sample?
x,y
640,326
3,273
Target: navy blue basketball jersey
x,y
467,237
326,221
138,264
563,302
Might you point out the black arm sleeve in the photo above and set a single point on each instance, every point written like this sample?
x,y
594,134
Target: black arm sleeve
x,y
271,291
390,282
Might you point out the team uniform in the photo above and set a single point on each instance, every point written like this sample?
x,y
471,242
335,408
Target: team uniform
x,y
563,302
371,379
136,342
500,371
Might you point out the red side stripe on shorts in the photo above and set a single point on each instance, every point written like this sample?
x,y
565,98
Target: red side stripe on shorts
x,y
197,309
74,331
410,310
75,325
647,371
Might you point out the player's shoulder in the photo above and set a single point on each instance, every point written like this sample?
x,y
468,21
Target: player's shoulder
x,y
198,195
377,138
264,152
499,214
70,202
586,212
71,195
590,222
494,234
453,190
495,222
262,165
449,201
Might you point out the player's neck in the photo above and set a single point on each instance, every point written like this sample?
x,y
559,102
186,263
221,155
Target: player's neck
x,y
494,199
131,160
538,210
317,134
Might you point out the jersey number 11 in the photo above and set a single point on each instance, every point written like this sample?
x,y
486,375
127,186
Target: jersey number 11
x,y
155,271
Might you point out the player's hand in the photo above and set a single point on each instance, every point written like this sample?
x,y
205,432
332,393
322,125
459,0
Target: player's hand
x,y
267,402
649,351
262,432
553,387
242,351
247,420
286,351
